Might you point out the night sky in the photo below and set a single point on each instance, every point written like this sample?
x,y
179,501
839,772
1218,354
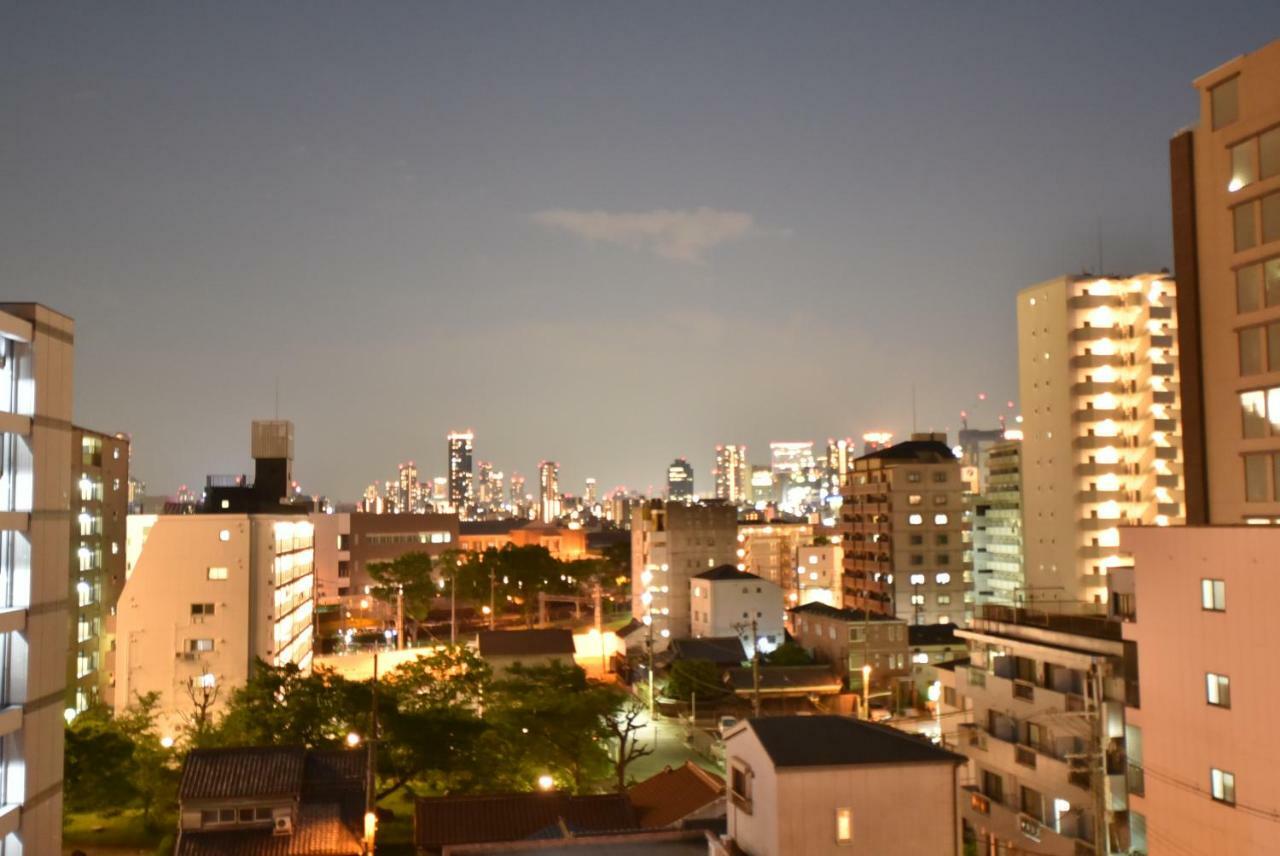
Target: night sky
x,y
603,233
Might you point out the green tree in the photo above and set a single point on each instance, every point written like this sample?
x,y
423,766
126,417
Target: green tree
x,y
283,706
700,676
99,763
409,576
624,726
788,654
155,768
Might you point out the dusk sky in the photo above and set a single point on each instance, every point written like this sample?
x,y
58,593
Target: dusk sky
x,y
602,233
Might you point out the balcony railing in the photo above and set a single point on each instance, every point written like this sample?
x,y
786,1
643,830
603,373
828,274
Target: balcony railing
x,y
1024,690
1025,755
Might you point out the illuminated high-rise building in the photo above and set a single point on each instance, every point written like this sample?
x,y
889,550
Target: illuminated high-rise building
x,y
680,480
461,476
1098,379
840,455
732,474
589,495
486,502
519,505
408,494
549,490
874,441
372,502
796,476
764,487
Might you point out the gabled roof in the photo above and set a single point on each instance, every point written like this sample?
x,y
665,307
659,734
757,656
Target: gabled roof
x,y
827,611
780,679
527,643
725,572
670,796
838,741
320,831
440,821
721,650
259,771
921,451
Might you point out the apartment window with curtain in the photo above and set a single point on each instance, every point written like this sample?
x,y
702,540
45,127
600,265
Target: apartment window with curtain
x,y
1218,690
1223,786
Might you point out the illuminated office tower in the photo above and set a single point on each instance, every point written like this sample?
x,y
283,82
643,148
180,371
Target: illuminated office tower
x,y
37,346
680,481
791,458
874,441
488,490
1098,379
589,494
840,455
409,494
461,487
390,494
764,488
519,504
371,499
549,491
732,474
795,475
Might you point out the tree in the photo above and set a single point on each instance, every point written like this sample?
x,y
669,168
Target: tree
x,y
199,724
700,676
155,770
788,654
282,706
408,576
623,725
99,763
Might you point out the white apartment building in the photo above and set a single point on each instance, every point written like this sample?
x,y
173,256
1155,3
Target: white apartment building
x,y
819,568
207,595
1098,380
670,543
1046,696
997,526
37,346
725,601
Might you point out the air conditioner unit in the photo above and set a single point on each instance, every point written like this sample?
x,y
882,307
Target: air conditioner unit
x,y
283,825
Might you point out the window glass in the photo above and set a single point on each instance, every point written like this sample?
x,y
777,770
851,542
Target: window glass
x,y
1272,276
1269,153
1223,785
1271,217
1218,690
915,520
1245,229
1255,478
1273,408
1213,595
844,825
1222,103
1273,346
940,519
1249,288
1253,408
1243,169
1251,354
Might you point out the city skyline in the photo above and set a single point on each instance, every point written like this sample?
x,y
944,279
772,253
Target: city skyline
x,y
640,205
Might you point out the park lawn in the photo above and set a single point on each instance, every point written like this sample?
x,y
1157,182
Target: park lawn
x,y
395,836
122,829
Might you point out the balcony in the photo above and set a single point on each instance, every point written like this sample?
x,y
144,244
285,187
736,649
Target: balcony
x,y
1161,313
1164,396
1084,388
1092,334
1024,690
1097,414
1094,361
1093,301
1025,755
989,816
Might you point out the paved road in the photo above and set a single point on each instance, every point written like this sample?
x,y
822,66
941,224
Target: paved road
x,y
671,750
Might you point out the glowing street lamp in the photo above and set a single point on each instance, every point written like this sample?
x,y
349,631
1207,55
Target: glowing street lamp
x,y
353,739
545,782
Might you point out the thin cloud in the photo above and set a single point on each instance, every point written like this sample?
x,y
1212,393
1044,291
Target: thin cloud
x,y
678,236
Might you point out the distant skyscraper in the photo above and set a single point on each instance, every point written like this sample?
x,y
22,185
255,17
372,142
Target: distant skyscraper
x,y
795,474
840,455
874,441
408,495
680,481
518,505
764,488
485,500
461,488
549,484
732,474
439,492
589,495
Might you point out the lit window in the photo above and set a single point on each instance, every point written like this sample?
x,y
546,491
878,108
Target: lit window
x,y
844,826
224,535
915,499
917,579
940,519
226,503
942,579
915,519
217,573
944,600
1223,786
1223,103
1213,595
917,600
921,658
199,645
1244,170
1218,690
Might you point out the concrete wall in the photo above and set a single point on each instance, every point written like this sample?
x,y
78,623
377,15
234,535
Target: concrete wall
x,y
726,607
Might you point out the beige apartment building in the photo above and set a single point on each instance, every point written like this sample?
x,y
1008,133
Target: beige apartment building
x,y
671,542
37,346
1098,379
770,549
206,595
346,543
904,533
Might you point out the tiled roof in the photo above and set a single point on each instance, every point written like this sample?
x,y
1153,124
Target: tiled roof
x,y
725,572
830,741
259,771
786,678
320,831
439,821
828,611
672,795
921,451
721,650
512,643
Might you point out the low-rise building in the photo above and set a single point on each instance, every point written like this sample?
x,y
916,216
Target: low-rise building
x,y
447,824
272,801
830,785
848,638
725,601
674,796
561,542
348,542
502,649
818,571
1046,693
781,689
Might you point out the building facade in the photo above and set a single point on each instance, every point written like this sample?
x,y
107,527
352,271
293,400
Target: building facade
x,y
1098,378
820,570
100,495
37,345
904,533
770,549
997,542
680,481
461,472
725,601
346,543
732,474
849,639
671,542
548,491
206,596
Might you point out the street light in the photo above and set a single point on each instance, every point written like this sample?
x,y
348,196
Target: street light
x,y
353,739
545,782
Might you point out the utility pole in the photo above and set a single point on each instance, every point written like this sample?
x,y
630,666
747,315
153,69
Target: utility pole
x,y
755,670
400,616
866,662
453,605
371,796
493,589
595,595
648,644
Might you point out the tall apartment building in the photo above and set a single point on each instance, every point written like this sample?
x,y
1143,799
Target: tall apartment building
x,y
206,595
904,533
37,347
997,543
671,542
770,550
1046,742
732,474
1098,379
680,481
461,474
548,491
100,499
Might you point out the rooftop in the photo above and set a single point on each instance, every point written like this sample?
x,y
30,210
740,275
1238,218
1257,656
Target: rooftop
x,y
782,679
834,741
920,451
512,643
242,772
725,572
320,829
841,614
721,650
650,843
441,821
672,795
